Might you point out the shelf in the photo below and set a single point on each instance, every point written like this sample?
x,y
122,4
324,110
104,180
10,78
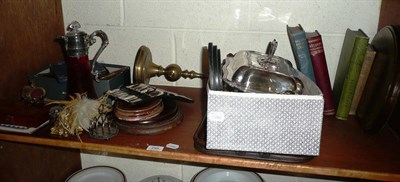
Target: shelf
x,y
346,151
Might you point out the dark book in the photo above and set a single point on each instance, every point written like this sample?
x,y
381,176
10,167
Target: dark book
x,y
320,68
298,42
348,71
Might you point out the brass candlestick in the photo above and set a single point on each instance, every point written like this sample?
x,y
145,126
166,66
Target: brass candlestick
x,y
144,69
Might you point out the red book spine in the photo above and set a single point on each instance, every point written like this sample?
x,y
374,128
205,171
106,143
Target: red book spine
x,y
321,73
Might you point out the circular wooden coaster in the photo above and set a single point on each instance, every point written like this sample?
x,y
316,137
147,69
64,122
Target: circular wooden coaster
x,y
125,107
166,120
145,111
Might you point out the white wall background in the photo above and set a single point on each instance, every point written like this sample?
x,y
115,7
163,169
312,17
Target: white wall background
x,y
176,30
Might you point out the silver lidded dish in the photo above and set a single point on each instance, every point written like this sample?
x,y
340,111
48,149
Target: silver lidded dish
x,y
252,71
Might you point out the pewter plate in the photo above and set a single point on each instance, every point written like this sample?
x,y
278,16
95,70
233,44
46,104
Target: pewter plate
x,y
98,174
224,175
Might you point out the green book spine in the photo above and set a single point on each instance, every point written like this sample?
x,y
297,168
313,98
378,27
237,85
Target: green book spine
x,y
350,82
343,65
364,73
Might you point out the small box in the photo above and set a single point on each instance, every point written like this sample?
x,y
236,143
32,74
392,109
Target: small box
x,y
267,123
118,76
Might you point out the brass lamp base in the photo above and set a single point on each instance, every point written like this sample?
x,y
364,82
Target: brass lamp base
x,y
144,69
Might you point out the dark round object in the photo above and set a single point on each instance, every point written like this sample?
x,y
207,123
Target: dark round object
x,y
381,91
394,120
211,78
215,69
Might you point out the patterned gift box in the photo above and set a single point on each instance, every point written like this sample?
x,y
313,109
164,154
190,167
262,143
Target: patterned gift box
x,y
268,123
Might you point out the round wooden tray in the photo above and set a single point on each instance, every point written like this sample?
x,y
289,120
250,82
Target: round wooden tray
x,y
166,120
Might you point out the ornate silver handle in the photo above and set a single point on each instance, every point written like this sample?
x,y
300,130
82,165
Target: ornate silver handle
x,y
104,43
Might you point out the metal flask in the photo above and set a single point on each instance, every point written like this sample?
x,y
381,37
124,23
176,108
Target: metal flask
x,y
80,69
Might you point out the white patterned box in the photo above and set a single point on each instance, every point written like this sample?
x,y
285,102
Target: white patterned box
x,y
270,123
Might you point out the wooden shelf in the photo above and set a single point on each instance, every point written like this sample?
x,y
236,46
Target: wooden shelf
x,y
346,151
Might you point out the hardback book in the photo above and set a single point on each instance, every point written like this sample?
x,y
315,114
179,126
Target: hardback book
x,y
298,42
348,71
320,67
365,69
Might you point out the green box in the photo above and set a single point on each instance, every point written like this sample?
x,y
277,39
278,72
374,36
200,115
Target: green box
x,y
119,76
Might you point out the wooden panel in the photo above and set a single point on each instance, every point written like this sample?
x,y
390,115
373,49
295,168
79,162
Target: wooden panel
x,y
25,162
29,28
390,13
